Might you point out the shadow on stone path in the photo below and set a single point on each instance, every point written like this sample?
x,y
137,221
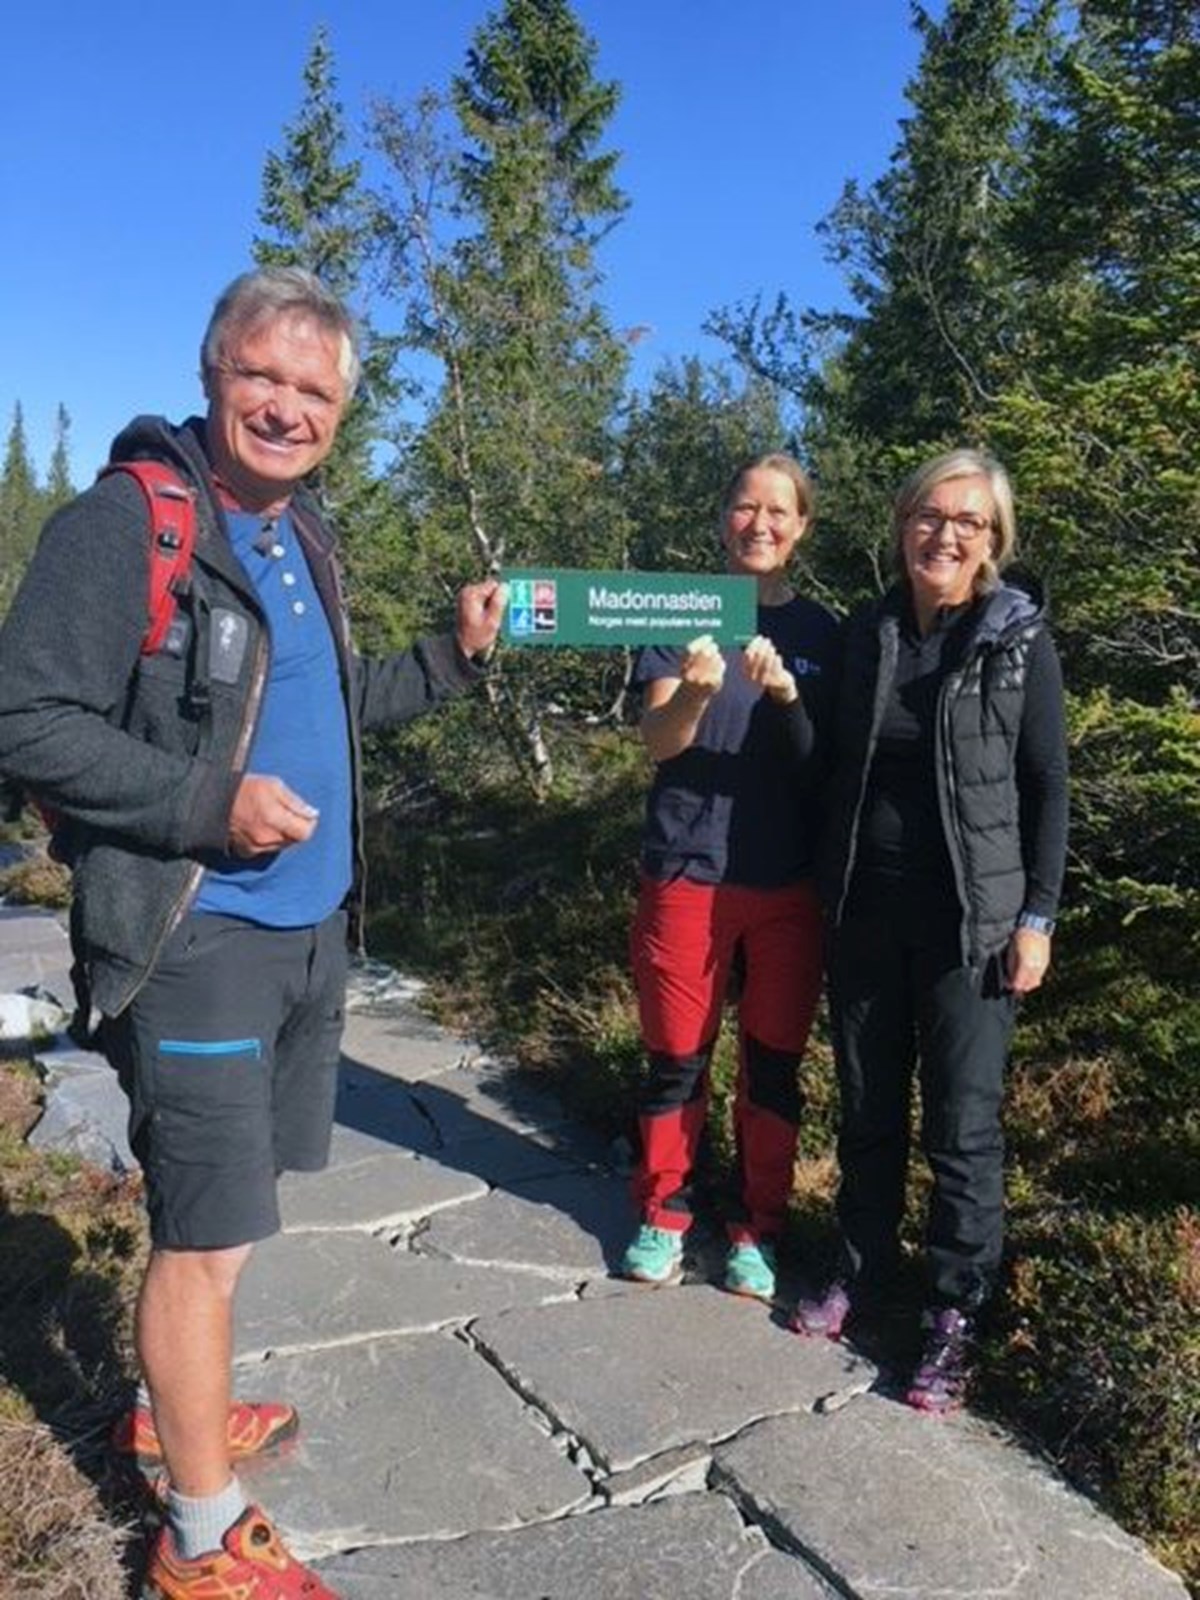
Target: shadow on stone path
x,y
489,1415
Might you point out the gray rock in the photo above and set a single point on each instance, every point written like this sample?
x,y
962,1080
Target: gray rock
x,y
690,1548
384,1190
499,1156
86,1115
896,1503
34,953
488,1092
579,1146
303,1290
783,1577
84,1111
411,1438
674,1472
634,1375
375,987
376,1116
49,971
61,1059
377,1113
607,1288
574,1225
463,1091
30,928
377,1034
411,1048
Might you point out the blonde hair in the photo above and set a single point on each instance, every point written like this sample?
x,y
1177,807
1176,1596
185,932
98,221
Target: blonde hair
x,y
962,464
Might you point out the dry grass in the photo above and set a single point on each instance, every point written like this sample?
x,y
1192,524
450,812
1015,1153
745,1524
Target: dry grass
x,y
1187,1232
37,881
1081,1090
816,1182
56,1540
19,1094
72,1242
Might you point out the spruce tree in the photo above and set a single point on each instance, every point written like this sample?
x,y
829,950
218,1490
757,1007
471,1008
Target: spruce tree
x,y
315,215
500,199
311,200
59,488
21,507
542,370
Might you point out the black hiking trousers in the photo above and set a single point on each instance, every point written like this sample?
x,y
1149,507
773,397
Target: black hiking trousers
x,y
902,1005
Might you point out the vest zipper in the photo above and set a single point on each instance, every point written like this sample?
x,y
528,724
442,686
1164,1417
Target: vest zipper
x,y
882,689
948,805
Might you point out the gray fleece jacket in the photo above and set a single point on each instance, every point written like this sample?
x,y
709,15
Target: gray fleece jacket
x,y
142,754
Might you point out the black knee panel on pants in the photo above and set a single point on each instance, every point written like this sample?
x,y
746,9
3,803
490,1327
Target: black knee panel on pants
x,y
674,1081
773,1080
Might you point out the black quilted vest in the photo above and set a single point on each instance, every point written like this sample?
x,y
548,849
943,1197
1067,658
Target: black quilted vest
x,y
980,703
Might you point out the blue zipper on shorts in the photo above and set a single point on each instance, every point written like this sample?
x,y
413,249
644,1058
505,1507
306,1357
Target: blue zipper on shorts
x,y
210,1047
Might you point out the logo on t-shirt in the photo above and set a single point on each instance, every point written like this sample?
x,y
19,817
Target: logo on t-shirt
x,y
802,667
533,607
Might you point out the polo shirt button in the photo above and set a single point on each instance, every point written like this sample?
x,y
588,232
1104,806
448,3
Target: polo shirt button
x,y
298,607
278,552
289,578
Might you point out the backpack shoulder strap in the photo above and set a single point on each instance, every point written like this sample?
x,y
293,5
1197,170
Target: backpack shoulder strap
x,y
172,508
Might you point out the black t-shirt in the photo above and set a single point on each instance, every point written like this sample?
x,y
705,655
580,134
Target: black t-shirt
x,y
735,807
901,838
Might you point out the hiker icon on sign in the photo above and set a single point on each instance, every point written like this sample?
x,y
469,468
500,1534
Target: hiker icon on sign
x,y
520,609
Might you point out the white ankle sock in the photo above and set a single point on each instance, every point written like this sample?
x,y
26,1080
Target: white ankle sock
x,y
199,1523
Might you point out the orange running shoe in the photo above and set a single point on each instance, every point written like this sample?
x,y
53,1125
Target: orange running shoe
x,y
256,1428
252,1564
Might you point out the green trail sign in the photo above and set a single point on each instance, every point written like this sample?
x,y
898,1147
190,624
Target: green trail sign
x,y
572,606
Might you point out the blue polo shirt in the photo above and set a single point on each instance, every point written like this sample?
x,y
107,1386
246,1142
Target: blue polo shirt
x,y
302,737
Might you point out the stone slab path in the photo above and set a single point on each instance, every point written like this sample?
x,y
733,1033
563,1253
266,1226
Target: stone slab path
x,y
489,1415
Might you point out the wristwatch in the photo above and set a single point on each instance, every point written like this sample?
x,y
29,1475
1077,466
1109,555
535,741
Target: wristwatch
x,y
1030,919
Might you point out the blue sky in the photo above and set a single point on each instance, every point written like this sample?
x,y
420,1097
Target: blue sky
x,y
134,139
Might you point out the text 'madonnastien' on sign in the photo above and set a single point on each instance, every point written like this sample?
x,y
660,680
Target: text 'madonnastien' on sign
x,y
577,607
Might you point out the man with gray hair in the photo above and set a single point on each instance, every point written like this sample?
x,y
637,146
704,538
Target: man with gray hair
x,y
209,793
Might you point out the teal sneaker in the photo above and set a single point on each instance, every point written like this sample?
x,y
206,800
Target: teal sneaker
x,y
750,1270
654,1255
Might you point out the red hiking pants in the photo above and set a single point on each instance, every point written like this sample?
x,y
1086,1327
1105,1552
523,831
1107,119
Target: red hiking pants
x,y
683,943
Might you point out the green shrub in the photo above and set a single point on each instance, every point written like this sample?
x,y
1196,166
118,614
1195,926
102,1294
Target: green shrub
x,y
1098,1354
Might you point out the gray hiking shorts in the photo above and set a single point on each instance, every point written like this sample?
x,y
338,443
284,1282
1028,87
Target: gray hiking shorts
x,y
228,1056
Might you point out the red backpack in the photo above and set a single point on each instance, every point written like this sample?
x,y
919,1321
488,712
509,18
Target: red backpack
x,y
172,508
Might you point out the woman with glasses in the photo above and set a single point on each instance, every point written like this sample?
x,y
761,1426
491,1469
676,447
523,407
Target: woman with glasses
x,y
940,870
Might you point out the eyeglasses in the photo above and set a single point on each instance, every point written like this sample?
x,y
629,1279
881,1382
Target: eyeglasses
x,y
967,524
